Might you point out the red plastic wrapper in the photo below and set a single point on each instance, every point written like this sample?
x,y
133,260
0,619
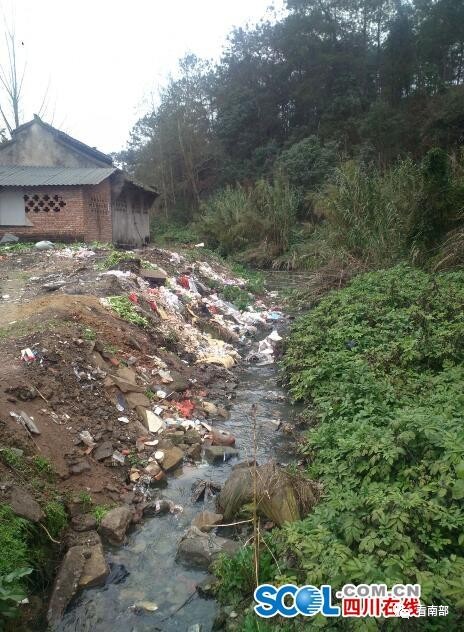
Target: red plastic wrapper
x,y
184,281
186,407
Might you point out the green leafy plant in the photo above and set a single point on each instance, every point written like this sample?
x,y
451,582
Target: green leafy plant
x,y
85,499
236,295
126,310
99,512
56,517
380,365
11,594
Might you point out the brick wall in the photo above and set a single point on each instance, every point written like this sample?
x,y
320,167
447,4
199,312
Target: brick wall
x,y
79,220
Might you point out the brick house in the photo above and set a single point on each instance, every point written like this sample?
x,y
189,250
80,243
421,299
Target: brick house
x,y
54,187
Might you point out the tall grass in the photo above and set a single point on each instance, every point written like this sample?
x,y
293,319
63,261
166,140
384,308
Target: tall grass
x,y
256,221
370,212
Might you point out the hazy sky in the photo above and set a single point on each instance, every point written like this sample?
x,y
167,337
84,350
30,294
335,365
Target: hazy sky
x,y
102,60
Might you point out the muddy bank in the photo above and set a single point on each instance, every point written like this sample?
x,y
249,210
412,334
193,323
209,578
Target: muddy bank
x,y
127,368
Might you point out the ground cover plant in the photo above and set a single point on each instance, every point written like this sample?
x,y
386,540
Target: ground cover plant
x,y
380,366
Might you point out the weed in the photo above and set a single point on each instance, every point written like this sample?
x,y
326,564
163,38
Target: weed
x,y
236,295
85,499
127,311
89,334
12,594
12,458
99,512
43,465
56,517
114,258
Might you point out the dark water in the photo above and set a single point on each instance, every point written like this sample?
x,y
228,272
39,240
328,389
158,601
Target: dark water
x,y
149,554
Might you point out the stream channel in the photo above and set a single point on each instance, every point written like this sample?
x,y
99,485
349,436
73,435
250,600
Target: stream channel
x,y
150,551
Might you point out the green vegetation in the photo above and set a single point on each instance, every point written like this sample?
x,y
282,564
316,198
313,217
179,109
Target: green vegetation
x,y
89,334
56,518
126,310
11,594
256,221
165,232
43,465
85,499
99,512
380,366
236,295
114,259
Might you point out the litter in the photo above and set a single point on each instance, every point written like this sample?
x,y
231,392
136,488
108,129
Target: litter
x,y
44,245
118,458
27,355
155,424
185,407
87,439
26,421
124,420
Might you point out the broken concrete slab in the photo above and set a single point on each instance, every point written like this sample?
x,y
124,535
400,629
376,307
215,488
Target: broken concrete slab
x,y
154,277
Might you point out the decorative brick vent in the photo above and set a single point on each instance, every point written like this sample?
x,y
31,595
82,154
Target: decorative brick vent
x,y
45,202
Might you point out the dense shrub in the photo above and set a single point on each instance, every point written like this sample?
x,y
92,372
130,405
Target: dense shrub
x,y
239,218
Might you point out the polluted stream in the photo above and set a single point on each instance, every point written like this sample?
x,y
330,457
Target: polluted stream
x,y
145,568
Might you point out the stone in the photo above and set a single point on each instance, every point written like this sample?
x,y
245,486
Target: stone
x,y
218,453
210,408
206,520
179,382
172,458
115,524
103,451
156,508
96,569
66,584
137,399
128,374
191,437
24,505
176,437
207,587
84,522
194,452
124,385
154,277
222,437
199,549
78,467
